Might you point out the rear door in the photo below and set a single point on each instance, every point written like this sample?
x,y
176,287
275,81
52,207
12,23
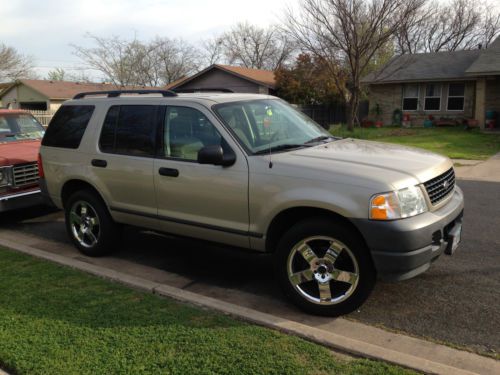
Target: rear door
x,y
123,165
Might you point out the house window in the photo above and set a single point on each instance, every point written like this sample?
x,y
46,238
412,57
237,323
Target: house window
x,y
34,106
456,96
432,97
410,97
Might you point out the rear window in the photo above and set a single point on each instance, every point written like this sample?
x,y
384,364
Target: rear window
x,y
68,126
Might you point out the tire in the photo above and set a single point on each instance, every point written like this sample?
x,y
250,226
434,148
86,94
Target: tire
x,y
89,224
324,267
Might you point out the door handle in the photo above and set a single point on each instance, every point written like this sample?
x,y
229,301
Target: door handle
x,y
99,163
171,172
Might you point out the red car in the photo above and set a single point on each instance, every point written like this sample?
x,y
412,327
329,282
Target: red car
x,y
20,137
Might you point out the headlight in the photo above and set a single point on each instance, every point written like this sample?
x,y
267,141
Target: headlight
x,y
398,204
4,176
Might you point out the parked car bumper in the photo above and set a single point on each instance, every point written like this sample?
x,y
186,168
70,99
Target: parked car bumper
x,y
20,200
404,248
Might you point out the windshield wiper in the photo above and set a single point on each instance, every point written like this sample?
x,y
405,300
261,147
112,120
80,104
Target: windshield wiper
x,y
319,139
286,146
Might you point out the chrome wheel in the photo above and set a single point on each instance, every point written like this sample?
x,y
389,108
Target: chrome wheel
x,y
84,224
323,270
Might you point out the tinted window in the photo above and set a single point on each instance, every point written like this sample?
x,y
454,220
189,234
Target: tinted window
x,y
130,130
68,126
107,139
187,131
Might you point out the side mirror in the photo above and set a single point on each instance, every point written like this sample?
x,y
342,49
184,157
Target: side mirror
x,y
215,155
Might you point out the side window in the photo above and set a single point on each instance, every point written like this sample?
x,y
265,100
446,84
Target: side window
x,y
187,131
107,139
129,130
68,126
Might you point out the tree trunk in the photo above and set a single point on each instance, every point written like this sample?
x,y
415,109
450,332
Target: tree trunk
x,y
352,118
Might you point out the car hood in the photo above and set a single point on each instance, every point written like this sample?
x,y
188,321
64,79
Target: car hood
x,y
19,152
394,165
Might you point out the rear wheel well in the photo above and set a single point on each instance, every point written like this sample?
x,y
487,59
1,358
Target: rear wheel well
x,y
289,217
72,186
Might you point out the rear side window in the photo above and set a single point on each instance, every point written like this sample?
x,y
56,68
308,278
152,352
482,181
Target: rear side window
x,y
130,130
68,126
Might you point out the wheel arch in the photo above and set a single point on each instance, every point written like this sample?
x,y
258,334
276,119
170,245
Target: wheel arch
x,y
74,185
290,216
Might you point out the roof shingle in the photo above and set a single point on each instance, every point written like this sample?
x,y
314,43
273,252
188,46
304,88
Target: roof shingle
x,y
63,90
424,67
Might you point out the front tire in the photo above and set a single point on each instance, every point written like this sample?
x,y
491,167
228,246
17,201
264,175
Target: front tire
x,y
89,224
324,267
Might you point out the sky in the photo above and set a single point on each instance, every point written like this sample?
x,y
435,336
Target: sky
x,y
45,29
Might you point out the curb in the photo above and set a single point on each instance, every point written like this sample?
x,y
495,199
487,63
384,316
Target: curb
x,y
332,340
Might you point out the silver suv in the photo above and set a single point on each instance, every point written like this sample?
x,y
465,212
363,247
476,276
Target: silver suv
x,y
249,171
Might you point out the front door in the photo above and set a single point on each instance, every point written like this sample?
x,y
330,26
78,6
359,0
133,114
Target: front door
x,y
200,200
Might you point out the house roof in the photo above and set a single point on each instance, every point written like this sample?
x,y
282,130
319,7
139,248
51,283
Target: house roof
x,y
259,76
63,90
424,67
488,62
439,66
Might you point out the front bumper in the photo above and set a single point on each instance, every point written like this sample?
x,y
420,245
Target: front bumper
x,y
20,200
404,248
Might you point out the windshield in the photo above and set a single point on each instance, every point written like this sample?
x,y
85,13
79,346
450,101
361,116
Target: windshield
x,y
261,125
15,127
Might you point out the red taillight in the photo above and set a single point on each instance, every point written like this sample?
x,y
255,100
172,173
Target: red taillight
x,y
41,174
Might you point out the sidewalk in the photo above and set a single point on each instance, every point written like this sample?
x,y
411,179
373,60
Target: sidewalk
x,y
488,170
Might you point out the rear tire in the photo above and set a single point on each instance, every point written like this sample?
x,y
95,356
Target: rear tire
x,y
324,267
89,224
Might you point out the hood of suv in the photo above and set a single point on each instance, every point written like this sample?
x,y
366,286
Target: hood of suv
x,y
19,152
378,161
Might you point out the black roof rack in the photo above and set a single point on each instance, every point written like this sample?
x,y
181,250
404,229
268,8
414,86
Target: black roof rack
x,y
116,93
214,89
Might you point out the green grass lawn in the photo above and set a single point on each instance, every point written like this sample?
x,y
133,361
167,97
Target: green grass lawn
x,y
55,320
455,143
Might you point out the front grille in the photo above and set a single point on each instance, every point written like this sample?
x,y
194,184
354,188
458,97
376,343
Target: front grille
x,y
25,174
441,186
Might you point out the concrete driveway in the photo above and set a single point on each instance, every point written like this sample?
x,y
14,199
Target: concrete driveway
x,y
457,301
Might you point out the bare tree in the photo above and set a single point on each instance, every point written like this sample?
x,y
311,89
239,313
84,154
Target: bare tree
x,y
13,65
458,25
212,50
133,62
250,46
346,35
169,60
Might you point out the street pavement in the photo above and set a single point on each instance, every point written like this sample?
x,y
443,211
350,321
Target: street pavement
x,y
457,301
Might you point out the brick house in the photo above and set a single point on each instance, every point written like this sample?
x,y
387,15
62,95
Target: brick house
x,y
458,85
234,78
